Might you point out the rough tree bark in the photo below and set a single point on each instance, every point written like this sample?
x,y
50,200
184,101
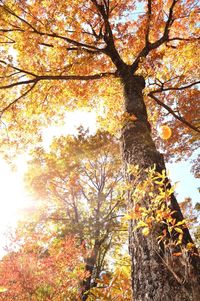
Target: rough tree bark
x,y
152,279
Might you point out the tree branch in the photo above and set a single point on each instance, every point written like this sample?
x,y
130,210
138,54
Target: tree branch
x,y
148,22
18,69
150,46
11,30
162,89
110,50
16,100
37,78
25,82
70,41
10,11
53,35
188,124
59,77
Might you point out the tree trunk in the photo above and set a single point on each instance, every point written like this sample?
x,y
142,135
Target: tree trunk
x,y
89,267
153,278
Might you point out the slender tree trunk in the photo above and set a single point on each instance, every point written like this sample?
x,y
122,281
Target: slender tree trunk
x,y
89,267
152,278
91,261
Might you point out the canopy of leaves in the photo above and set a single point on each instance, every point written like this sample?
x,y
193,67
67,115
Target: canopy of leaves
x,y
41,268
79,183
56,56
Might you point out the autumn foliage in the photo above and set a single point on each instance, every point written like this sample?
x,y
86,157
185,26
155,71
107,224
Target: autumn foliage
x,y
42,268
136,65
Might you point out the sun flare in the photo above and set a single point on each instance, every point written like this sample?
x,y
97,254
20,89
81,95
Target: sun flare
x,y
15,200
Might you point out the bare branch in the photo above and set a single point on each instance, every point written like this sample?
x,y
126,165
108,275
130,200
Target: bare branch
x,y
11,30
11,42
70,41
25,82
183,39
10,75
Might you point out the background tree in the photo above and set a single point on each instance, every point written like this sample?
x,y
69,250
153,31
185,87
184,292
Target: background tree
x,y
79,182
191,212
40,267
57,44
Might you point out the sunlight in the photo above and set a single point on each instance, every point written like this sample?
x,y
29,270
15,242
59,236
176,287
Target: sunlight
x,y
72,121
12,190
15,200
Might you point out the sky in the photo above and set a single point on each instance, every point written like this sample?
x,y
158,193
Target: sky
x,y
15,199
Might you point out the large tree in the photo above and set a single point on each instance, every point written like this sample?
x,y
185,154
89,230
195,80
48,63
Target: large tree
x,y
60,55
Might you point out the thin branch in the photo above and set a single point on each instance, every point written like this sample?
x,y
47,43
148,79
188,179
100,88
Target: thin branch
x,y
150,46
76,77
30,14
148,21
188,124
91,180
5,127
12,42
10,11
36,79
10,75
70,41
112,210
180,39
79,49
59,77
162,89
93,50
16,100
11,30
183,39
25,82
53,35
46,44
110,49
17,68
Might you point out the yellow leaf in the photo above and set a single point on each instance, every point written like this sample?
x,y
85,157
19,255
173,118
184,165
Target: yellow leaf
x,y
178,230
181,223
3,289
145,231
141,224
189,246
